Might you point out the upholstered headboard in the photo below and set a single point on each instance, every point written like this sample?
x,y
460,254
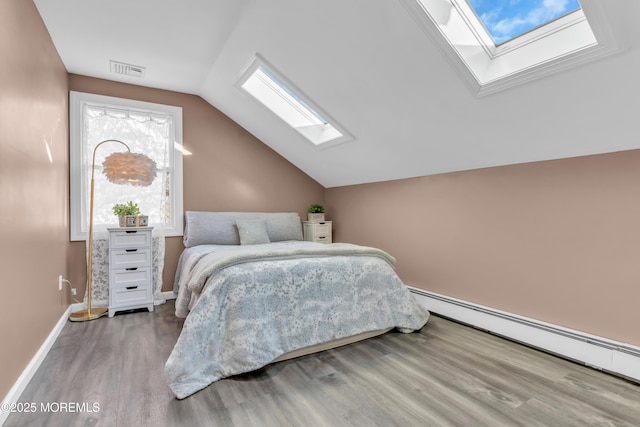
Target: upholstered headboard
x,y
219,228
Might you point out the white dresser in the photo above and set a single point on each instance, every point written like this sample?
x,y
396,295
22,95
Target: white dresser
x,y
130,269
317,231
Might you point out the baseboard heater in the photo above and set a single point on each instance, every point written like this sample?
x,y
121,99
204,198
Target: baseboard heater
x,y
597,352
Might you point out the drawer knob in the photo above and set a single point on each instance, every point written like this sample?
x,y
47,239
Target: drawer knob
x,y
131,250
131,287
131,268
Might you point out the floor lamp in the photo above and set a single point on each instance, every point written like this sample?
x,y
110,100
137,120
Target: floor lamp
x,y
119,168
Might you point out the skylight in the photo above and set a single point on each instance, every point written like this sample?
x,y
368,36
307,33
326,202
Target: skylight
x,y
271,91
505,20
497,44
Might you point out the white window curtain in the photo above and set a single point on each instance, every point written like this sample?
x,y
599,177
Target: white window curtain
x,y
145,133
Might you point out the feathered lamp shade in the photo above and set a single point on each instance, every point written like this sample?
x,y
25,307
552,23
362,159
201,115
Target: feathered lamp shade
x,y
119,168
129,168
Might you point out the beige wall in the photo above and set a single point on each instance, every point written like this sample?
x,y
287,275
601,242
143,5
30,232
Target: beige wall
x,y
229,169
557,241
34,192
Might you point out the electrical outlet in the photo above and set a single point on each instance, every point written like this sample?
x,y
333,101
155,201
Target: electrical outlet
x,y
73,291
60,282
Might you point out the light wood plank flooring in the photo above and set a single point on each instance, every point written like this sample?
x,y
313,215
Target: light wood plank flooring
x,y
446,375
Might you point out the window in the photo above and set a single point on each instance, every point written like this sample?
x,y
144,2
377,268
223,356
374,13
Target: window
x,y
495,48
152,129
266,86
505,20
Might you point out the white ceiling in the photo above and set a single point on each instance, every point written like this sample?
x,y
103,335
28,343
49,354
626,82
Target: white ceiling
x,y
372,68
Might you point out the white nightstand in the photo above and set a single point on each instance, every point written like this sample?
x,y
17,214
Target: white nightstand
x,y
130,269
317,231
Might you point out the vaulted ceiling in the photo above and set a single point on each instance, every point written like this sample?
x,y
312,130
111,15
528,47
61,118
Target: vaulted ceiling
x,y
372,67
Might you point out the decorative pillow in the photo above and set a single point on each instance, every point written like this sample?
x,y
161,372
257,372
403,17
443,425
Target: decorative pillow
x,y
252,231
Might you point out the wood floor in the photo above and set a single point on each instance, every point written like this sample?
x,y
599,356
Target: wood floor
x,y
445,375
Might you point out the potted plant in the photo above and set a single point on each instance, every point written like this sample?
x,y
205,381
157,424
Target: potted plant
x,y
316,213
127,213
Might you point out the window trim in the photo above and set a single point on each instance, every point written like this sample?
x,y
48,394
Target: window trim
x,y
78,187
311,107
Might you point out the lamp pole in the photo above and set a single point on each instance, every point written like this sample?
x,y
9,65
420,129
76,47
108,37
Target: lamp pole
x,y
88,314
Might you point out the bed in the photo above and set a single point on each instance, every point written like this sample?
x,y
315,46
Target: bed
x,y
252,292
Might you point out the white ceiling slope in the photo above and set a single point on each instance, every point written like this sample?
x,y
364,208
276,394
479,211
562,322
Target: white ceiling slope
x,y
371,67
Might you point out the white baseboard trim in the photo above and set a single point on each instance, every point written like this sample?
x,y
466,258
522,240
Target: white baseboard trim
x,y
169,295
597,352
23,380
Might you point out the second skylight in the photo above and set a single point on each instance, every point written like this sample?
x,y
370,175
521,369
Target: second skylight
x,y
271,91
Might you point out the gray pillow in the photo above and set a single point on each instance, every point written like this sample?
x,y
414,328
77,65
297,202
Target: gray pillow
x,y
283,226
204,229
252,231
219,228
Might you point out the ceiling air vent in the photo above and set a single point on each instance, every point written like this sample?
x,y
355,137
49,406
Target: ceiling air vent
x,y
127,69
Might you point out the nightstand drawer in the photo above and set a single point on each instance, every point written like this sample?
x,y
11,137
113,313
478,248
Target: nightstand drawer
x,y
129,239
133,276
322,228
133,296
123,258
322,238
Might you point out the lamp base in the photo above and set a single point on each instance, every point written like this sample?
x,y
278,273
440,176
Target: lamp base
x,y
84,315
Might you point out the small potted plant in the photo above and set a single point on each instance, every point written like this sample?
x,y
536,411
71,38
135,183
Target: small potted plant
x,y
127,213
316,213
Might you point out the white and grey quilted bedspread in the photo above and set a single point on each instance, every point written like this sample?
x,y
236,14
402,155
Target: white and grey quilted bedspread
x,y
261,302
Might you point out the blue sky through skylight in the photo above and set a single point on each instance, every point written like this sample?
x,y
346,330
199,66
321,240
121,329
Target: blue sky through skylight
x,y
508,19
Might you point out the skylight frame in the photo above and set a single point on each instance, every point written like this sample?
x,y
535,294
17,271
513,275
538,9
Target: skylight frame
x,y
487,68
270,89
